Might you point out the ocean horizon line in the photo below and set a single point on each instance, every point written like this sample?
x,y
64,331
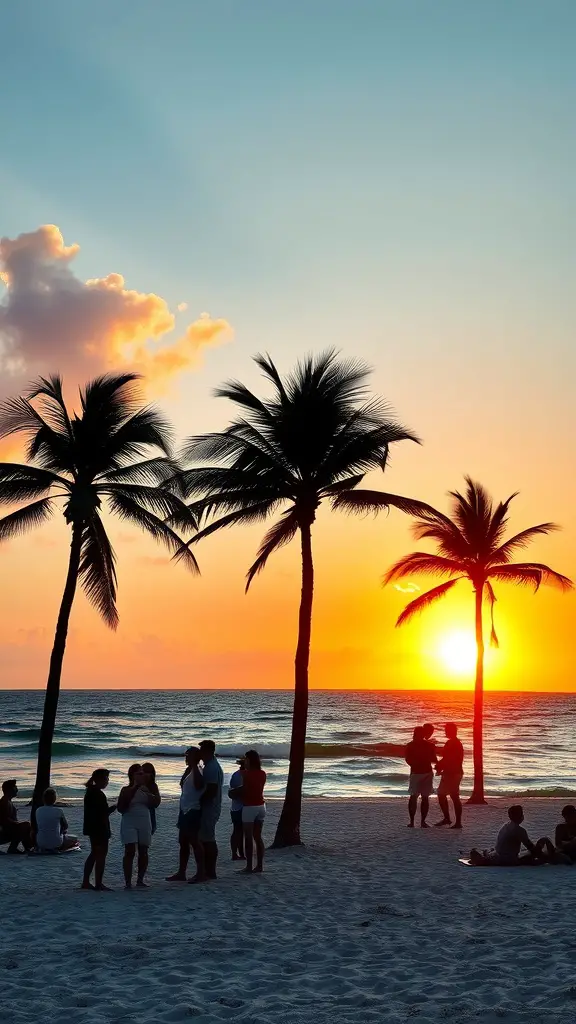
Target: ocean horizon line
x,y
284,689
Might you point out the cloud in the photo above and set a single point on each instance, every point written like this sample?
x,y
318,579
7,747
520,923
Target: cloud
x,y
410,588
52,321
182,307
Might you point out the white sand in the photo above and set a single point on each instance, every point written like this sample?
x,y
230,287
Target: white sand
x,y
370,922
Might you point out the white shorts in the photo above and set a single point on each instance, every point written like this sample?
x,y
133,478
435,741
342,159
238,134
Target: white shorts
x,y
421,784
138,830
252,814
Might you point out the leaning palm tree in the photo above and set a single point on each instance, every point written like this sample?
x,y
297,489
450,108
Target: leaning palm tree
x,y
471,546
313,439
116,452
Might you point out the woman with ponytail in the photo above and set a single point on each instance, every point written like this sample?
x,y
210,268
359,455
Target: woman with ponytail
x,y
97,812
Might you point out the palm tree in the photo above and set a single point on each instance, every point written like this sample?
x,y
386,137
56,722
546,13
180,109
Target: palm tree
x,y
313,439
115,451
471,546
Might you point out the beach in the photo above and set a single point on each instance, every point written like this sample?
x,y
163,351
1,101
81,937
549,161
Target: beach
x,y
368,922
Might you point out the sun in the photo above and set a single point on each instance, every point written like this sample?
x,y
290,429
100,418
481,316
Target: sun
x,y
457,652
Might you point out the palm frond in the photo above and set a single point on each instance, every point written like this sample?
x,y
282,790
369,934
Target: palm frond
x,y
530,573
18,415
489,590
425,600
520,540
19,483
24,519
363,501
157,470
278,535
425,563
126,508
53,406
252,514
97,570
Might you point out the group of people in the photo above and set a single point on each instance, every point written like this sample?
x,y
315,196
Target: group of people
x,y
424,759
200,807
513,838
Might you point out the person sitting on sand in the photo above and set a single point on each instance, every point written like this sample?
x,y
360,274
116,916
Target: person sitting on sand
x,y
510,840
237,837
420,755
97,827
450,770
52,827
253,810
192,786
134,803
10,828
565,834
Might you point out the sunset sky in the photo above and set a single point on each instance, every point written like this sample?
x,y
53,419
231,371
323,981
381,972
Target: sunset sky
x,y
395,179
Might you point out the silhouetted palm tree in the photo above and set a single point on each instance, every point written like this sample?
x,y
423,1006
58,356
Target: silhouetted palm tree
x,y
313,439
471,546
82,461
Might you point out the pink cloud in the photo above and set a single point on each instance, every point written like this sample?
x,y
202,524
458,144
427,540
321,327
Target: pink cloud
x,y
52,321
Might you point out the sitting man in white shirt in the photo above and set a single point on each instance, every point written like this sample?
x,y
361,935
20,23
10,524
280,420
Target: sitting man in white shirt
x,y
52,827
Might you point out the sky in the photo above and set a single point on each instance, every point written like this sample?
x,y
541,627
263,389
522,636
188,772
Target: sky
x,y
187,184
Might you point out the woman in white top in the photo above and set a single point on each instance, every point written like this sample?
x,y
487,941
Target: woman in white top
x,y
135,802
52,827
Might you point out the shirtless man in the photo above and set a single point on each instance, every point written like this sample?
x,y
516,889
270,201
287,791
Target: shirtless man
x,y
16,831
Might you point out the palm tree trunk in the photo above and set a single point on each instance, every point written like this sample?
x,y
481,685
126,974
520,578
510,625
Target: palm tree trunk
x,y
288,830
55,671
478,726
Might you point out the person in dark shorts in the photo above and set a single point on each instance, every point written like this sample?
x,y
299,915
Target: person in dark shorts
x,y
237,837
420,755
97,813
11,829
189,816
450,769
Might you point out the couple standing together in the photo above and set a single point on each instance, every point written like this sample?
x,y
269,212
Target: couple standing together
x,y
200,807
422,756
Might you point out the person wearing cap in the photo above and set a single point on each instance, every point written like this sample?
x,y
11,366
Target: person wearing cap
x,y
237,837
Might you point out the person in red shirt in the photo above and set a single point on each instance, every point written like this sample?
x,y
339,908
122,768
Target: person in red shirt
x,y
253,810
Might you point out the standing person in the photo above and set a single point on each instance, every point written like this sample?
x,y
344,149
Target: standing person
x,y
13,830
192,786
52,827
235,794
254,809
450,769
134,803
211,807
420,755
150,772
97,827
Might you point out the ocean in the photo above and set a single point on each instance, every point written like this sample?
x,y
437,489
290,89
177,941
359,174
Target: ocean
x,y
529,737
